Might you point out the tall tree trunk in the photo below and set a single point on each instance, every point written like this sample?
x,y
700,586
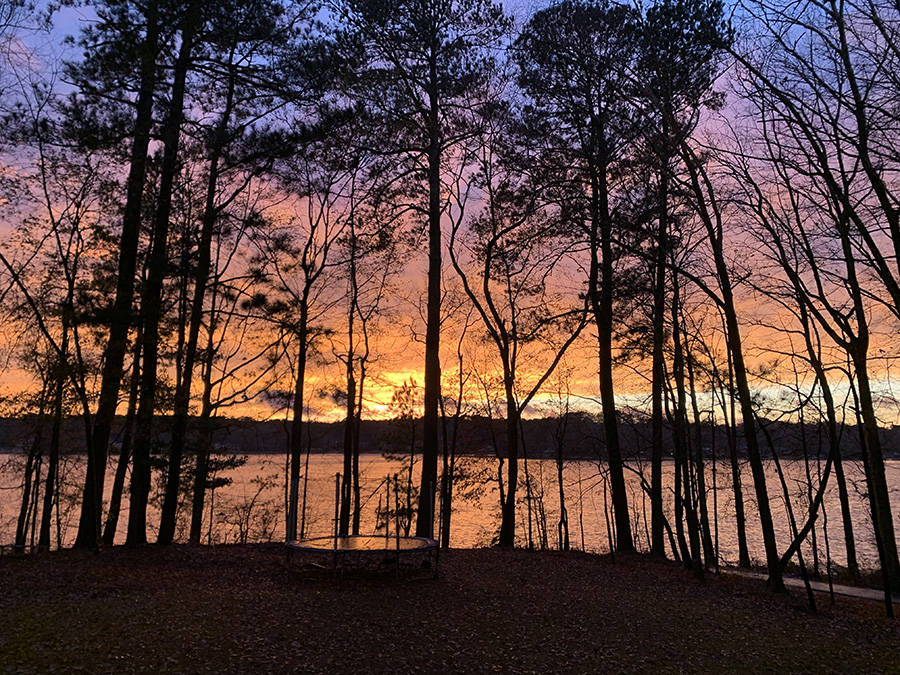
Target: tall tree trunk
x,y
156,277
746,403
350,416
181,403
204,441
529,495
600,288
879,497
680,490
430,422
801,420
657,517
121,316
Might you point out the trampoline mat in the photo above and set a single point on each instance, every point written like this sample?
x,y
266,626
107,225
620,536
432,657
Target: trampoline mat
x,y
364,542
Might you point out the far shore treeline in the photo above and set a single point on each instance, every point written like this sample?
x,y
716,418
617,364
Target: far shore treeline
x,y
480,437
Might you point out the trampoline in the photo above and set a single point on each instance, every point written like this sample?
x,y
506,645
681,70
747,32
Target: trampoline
x,y
358,551
353,550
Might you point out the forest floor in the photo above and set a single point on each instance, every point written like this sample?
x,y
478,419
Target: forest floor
x,y
246,609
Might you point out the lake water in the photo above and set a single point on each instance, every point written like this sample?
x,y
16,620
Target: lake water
x,y
251,508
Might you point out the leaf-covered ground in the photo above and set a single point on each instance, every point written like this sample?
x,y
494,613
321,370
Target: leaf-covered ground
x,y
247,610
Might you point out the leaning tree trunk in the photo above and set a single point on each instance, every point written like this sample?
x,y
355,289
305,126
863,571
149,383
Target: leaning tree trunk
x,y
747,414
713,224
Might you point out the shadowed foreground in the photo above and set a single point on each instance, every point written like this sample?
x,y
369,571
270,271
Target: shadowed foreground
x,y
242,609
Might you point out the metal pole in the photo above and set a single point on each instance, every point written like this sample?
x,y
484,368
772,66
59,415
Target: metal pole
x,y
440,523
397,513
337,506
387,512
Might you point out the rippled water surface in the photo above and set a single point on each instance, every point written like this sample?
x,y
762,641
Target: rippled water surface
x,y
251,508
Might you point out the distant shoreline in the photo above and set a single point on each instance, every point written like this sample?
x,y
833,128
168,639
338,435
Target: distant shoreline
x,y
479,437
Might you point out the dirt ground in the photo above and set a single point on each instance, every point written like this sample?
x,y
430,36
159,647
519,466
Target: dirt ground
x,y
234,609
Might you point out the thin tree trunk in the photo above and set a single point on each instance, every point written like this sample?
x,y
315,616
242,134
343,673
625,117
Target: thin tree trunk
x,y
347,477
181,403
204,440
709,552
791,519
879,498
529,501
53,454
118,489
296,445
679,490
737,487
450,456
563,525
809,488
680,429
735,347
357,422
846,516
26,506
